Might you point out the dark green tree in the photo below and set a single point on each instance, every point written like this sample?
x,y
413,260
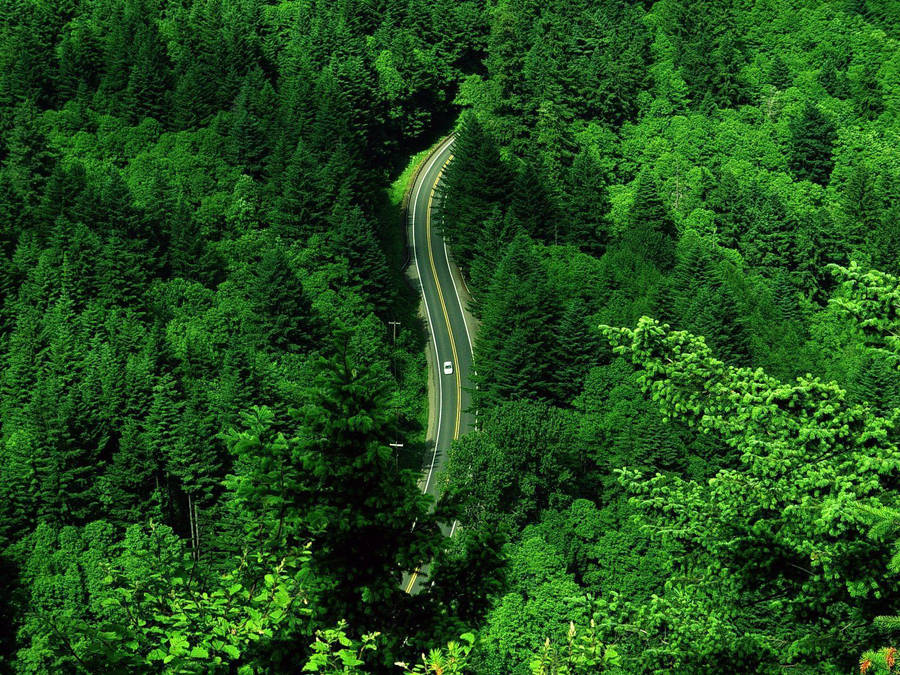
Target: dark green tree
x,y
587,205
651,232
811,144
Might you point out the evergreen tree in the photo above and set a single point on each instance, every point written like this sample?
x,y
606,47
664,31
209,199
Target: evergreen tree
x,y
251,129
280,303
587,204
496,234
519,289
710,53
336,486
812,140
779,73
531,207
883,241
149,84
473,182
862,204
577,348
833,76
298,210
651,232
161,434
353,237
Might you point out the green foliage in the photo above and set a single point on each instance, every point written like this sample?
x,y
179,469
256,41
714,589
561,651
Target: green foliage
x,y
190,215
192,226
807,458
872,299
651,230
582,653
812,139
882,662
156,608
452,660
333,653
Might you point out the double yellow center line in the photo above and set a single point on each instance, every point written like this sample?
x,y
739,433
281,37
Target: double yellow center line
x,y
437,283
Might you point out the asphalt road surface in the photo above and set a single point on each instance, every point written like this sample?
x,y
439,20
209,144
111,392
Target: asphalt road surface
x,y
450,336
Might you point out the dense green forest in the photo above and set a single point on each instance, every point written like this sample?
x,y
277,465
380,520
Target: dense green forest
x,y
680,225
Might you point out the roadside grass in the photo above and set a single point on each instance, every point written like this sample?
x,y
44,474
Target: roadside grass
x,y
399,186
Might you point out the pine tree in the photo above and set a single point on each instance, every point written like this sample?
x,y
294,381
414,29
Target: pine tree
x,y
496,234
194,98
577,348
80,60
298,210
251,128
31,161
862,205
520,352
651,232
876,384
336,485
833,76
62,195
588,204
709,53
161,433
531,206
353,237
785,296
280,303
473,183
512,109
779,73
149,83
868,94
812,140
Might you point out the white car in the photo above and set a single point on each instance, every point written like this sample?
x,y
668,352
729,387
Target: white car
x,y
448,368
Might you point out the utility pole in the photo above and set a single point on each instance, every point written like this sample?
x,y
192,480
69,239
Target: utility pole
x,y
394,324
396,447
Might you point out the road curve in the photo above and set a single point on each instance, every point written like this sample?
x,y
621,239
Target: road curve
x,y
451,339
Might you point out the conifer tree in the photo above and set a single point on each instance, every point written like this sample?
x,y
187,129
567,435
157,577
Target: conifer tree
x,y
161,432
577,348
779,73
519,289
298,209
335,485
812,140
473,182
532,209
353,237
251,128
862,204
496,234
280,303
587,204
651,233
149,84
883,241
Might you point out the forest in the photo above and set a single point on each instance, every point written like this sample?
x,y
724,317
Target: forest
x,y
679,222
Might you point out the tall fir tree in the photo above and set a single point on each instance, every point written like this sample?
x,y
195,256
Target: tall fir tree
x,y
651,232
811,145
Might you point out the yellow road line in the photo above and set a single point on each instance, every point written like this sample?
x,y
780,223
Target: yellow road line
x,y
412,580
437,284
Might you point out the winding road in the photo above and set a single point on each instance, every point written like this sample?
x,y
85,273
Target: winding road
x,y
451,337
